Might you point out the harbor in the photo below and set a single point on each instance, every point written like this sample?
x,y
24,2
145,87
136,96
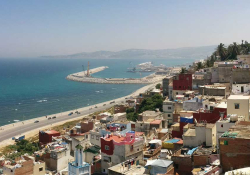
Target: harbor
x,y
86,77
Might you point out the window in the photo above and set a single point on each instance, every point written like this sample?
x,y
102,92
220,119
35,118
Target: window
x,y
225,142
106,147
187,78
176,93
236,106
141,124
87,136
211,108
179,86
97,137
107,159
131,147
40,169
184,87
92,136
169,115
169,107
206,106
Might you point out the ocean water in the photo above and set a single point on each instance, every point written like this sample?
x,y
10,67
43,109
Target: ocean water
x,y
37,87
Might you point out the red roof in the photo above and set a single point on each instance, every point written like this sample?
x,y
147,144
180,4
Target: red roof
x,y
139,133
115,138
157,122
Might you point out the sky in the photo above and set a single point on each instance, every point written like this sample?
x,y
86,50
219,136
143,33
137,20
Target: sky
x,y
34,28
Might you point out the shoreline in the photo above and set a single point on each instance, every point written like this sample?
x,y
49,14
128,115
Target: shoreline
x,y
15,127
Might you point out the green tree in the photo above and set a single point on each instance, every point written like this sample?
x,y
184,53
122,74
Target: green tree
x,y
221,51
183,70
158,86
199,66
233,51
151,103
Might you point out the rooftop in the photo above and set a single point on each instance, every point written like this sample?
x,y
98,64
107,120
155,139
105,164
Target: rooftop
x,y
156,122
190,132
241,129
234,97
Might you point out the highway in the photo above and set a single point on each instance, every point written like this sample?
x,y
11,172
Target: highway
x,y
20,128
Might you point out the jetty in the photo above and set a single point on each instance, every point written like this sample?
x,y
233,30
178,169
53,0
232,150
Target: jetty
x,y
85,77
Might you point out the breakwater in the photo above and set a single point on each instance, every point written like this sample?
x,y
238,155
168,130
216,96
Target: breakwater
x,y
81,77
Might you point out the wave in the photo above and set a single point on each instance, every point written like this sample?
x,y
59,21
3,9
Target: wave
x,y
40,101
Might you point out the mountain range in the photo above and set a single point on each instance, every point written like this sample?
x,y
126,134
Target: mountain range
x,y
178,53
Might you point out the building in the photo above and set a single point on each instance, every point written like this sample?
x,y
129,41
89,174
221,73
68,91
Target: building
x,y
192,104
79,167
168,109
165,85
149,115
213,90
159,166
82,140
238,89
238,104
182,82
233,147
244,59
86,126
116,149
200,134
46,136
24,166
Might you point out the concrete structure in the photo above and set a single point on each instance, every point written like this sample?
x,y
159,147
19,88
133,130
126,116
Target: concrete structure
x,y
234,152
46,136
243,89
182,82
200,134
213,90
168,109
116,149
86,126
244,59
193,104
149,115
83,140
238,104
165,85
79,167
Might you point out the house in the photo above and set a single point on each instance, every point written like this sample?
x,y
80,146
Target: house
x,y
168,109
79,167
244,59
86,126
192,104
46,136
149,115
238,89
159,166
177,129
181,83
200,134
238,104
165,85
234,152
213,90
116,149
82,140
24,165
90,153
153,148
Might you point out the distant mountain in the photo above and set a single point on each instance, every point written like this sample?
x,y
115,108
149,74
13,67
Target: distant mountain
x,y
186,52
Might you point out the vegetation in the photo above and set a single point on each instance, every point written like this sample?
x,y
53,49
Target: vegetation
x,y
158,86
151,104
20,148
183,70
231,51
199,66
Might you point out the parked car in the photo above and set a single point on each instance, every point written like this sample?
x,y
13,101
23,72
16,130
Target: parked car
x,y
49,118
70,113
104,104
95,106
77,112
54,117
36,121
19,138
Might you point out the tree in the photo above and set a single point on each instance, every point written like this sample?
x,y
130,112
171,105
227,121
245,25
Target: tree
x,y
151,103
158,86
183,70
221,51
199,66
233,51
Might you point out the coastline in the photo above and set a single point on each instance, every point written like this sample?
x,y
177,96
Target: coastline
x,y
18,127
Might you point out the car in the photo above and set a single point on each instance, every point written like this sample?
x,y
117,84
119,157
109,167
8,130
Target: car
x,y
36,121
95,106
70,113
104,104
90,108
54,117
49,118
77,112
122,101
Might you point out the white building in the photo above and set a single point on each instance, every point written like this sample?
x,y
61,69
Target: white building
x,y
168,109
199,134
78,167
240,89
238,104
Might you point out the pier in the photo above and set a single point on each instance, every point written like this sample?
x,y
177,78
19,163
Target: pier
x,y
87,78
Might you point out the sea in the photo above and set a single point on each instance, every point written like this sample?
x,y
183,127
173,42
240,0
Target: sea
x,y
35,87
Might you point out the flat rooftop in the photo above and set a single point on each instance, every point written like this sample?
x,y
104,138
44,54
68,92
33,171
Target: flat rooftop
x,y
242,97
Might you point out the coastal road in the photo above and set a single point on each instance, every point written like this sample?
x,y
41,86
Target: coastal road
x,y
17,129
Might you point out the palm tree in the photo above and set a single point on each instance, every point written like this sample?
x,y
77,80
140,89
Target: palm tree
x,y
208,62
199,66
221,51
245,47
183,70
233,51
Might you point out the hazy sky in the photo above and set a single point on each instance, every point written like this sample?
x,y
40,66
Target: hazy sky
x,y
30,28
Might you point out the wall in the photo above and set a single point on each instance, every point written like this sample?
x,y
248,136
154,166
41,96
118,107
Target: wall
x,y
221,127
27,168
191,105
37,166
236,154
87,126
182,82
242,111
95,138
237,88
165,85
211,136
212,91
210,117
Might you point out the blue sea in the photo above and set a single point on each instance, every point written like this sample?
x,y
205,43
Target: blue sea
x,y
37,87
